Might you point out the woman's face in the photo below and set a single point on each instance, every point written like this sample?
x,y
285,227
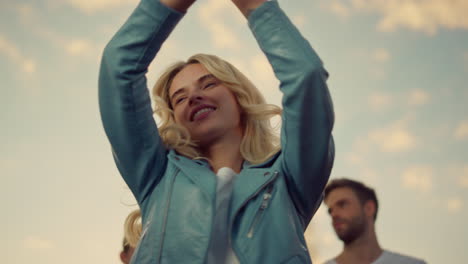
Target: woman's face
x,y
204,105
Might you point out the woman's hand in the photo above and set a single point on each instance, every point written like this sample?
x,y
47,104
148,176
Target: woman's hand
x,y
179,5
247,6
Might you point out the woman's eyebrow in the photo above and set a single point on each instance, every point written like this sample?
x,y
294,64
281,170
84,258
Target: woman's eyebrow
x,y
181,90
200,80
205,77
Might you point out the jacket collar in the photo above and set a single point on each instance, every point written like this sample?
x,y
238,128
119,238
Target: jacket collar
x,y
247,184
197,171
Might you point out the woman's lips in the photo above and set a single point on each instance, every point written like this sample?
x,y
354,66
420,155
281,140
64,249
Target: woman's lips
x,y
201,112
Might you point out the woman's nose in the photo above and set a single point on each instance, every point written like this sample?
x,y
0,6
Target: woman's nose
x,y
195,97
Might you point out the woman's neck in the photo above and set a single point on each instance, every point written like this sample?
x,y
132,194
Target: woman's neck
x,y
224,153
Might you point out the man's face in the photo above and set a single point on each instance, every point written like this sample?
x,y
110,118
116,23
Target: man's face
x,y
347,213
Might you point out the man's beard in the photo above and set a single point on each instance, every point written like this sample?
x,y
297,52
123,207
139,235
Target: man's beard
x,y
355,228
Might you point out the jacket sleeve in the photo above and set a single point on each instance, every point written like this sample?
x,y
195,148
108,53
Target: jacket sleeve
x,y
307,119
124,100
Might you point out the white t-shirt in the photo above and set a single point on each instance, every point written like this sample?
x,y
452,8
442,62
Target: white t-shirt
x,y
220,251
388,257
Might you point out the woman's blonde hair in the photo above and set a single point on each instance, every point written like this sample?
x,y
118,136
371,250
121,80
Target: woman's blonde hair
x,y
259,140
132,229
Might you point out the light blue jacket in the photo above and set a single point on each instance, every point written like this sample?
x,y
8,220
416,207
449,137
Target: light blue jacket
x,y
272,203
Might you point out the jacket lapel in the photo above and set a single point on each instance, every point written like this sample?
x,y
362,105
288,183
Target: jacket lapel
x,y
197,171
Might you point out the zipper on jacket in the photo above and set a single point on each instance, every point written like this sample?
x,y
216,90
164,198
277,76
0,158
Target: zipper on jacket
x,y
275,174
166,212
261,210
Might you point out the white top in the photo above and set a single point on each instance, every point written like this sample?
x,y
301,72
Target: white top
x,y
220,251
388,257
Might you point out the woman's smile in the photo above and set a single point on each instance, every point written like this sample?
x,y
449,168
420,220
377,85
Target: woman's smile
x,y
201,112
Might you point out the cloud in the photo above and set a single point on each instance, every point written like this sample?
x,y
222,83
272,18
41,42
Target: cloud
x,y
79,47
299,20
454,205
393,138
463,177
418,178
418,97
212,16
10,50
33,242
337,8
354,158
33,19
461,132
92,6
382,100
262,67
379,101
25,10
419,15
381,55
73,46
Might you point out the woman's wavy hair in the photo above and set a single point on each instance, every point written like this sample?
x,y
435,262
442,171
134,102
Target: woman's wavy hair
x,y
132,230
259,140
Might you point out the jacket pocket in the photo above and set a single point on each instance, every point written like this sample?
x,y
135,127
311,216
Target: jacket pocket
x,y
261,210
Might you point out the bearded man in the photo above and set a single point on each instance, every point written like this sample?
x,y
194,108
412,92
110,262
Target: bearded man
x,y
353,208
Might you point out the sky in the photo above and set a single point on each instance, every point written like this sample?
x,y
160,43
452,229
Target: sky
x,y
398,79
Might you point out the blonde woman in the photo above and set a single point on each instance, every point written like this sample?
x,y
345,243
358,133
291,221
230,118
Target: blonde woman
x,y
214,183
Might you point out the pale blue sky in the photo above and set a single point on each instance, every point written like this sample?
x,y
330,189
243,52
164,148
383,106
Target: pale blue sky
x,y
398,78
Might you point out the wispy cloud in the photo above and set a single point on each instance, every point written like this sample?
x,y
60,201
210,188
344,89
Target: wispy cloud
x,y
393,138
262,67
79,47
212,16
461,132
35,21
454,205
13,52
463,177
418,97
383,100
418,178
92,6
380,101
338,8
34,242
420,15
381,55
299,21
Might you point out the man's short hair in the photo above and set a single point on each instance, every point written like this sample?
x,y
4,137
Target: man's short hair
x,y
363,192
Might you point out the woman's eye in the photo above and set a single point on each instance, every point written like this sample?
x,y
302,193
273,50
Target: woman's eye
x,y
210,84
179,100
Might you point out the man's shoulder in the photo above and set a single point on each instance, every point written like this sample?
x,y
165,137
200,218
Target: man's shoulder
x,y
393,257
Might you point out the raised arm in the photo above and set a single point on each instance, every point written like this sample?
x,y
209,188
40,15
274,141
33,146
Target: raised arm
x,y
307,121
124,100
